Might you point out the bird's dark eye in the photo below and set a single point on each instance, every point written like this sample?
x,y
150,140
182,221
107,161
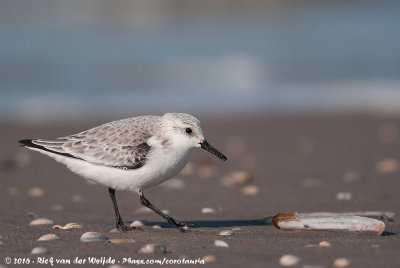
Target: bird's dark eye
x,y
189,131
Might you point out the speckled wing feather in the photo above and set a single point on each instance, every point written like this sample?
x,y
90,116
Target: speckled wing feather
x,y
120,144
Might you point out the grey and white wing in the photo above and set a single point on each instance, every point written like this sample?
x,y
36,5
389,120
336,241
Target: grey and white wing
x,y
119,144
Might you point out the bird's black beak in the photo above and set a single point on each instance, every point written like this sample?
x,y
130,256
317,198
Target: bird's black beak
x,y
206,146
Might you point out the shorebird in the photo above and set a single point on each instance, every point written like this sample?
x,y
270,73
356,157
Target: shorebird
x,y
130,154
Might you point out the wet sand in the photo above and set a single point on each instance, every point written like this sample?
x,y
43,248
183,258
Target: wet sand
x,y
298,163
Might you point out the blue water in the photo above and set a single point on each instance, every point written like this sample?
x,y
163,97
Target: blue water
x,y
78,60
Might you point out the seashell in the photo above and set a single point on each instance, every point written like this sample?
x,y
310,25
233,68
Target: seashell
x,y
380,214
220,243
115,230
72,225
36,192
208,210
324,244
389,165
341,262
40,250
153,248
236,229
226,232
48,237
140,223
93,237
290,221
120,241
251,190
237,178
209,259
344,196
289,260
156,226
41,221
57,226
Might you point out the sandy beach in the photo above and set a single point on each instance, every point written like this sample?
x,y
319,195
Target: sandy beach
x,y
297,164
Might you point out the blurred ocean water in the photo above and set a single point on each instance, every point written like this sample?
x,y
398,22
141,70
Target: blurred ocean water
x,y
63,59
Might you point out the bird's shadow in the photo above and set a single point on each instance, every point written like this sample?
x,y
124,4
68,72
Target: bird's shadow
x,y
217,223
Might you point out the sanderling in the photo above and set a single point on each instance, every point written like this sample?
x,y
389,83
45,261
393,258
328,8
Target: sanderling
x,y
130,154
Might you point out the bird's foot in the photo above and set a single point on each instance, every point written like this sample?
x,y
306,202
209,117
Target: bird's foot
x,y
121,226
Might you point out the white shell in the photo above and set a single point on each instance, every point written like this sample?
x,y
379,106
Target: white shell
x,y
289,260
226,232
120,241
157,226
220,243
341,262
350,223
139,223
72,225
48,237
93,237
41,221
208,210
344,196
40,250
153,248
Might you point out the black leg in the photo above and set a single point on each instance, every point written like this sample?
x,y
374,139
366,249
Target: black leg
x,y
119,224
169,219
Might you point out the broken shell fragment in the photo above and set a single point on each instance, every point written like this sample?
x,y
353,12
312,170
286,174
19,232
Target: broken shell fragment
x,y
209,259
389,165
93,237
153,248
36,192
39,250
344,196
48,237
41,221
220,243
68,226
289,260
289,221
237,178
226,232
341,262
120,241
208,210
139,223
250,190
324,244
